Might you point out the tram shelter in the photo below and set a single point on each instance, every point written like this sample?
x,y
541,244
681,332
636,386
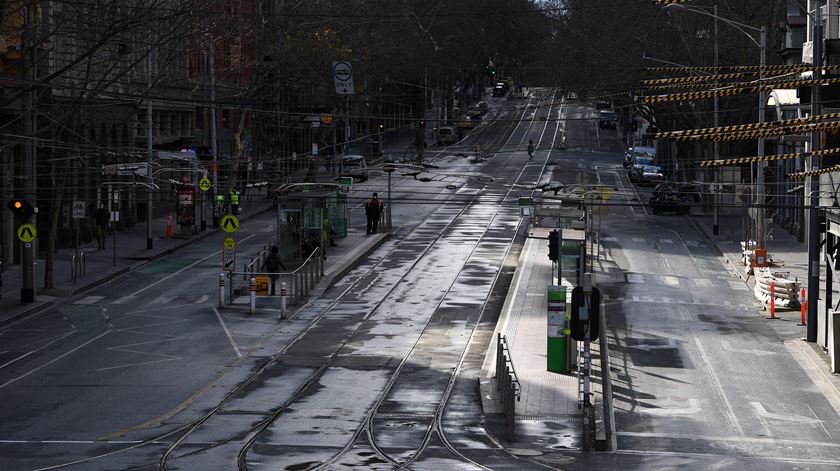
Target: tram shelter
x,y
309,217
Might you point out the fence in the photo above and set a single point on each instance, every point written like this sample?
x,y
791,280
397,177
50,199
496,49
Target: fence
x,y
507,383
300,282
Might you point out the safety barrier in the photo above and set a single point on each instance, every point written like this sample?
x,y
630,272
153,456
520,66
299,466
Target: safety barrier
x,y
300,282
776,289
507,383
256,263
78,266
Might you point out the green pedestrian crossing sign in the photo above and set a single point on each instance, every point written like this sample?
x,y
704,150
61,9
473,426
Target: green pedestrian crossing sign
x,y
230,223
204,184
27,233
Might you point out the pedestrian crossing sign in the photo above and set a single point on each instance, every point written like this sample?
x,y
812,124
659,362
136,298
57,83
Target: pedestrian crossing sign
x,y
27,233
230,223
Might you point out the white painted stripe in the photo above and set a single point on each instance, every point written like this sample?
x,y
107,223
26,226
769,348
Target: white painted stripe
x,y
640,240
666,241
202,299
703,282
37,349
670,280
692,243
635,278
730,412
227,332
163,299
609,239
88,300
125,300
738,286
14,380
769,441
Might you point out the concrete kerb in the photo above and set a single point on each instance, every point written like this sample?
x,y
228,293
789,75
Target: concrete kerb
x,y
117,273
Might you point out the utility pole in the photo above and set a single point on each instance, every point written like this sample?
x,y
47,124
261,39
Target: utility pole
x,y
27,290
149,136
761,228
716,170
214,146
813,191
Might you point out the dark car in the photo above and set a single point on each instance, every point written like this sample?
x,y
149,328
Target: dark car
x,y
669,202
689,191
607,119
499,91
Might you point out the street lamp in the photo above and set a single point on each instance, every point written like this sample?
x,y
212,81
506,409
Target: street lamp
x,y
762,102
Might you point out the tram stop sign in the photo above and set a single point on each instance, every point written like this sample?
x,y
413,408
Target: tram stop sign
x,y
230,243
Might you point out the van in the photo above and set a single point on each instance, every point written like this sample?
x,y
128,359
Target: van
x,y
447,136
354,166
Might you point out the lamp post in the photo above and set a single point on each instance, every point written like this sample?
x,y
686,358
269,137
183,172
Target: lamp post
x,y
762,103
813,212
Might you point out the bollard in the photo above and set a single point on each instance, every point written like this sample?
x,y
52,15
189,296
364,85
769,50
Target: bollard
x,y
772,300
253,289
221,289
804,304
283,300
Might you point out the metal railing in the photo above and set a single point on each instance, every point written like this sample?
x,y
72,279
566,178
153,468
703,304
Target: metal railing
x,y
78,266
300,281
255,265
508,384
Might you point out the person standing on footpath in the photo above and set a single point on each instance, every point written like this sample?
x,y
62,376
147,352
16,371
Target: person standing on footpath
x,y
101,219
234,202
273,264
373,208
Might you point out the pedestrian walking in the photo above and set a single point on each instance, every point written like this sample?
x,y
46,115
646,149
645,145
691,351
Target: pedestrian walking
x,y
373,208
530,149
273,264
234,202
100,217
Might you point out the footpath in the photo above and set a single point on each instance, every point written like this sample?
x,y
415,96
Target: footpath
x,y
102,266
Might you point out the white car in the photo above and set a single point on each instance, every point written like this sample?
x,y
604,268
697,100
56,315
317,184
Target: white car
x,y
353,165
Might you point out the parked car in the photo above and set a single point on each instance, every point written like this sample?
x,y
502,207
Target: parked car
x,y
465,123
607,119
669,202
636,170
475,114
689,191
481,105
353,165
447,136
499,91
646,156
650,175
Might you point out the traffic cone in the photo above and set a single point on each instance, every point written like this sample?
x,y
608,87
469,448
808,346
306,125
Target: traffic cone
x,y
169,226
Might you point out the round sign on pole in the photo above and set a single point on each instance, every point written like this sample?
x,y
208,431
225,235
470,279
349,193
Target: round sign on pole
x,y
229,223
230,243
27,233
204,184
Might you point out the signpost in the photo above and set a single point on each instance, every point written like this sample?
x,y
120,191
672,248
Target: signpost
x,y
228,252
230,224
343,73
230,243
78,213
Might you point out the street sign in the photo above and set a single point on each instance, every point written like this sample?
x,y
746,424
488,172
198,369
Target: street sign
x,y
230,243
27,233
343,73
78,210
204,184
230,223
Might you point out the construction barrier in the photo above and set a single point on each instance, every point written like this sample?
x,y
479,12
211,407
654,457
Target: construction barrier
x,y
776,289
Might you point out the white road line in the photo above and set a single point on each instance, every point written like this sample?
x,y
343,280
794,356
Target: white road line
x,y
703,282
635,278
670,280
640,240
666,241
227,332
125,300
185,268
202,299
730,412
769,441
14,380
88,300
693,408
163,299
38,349
762,412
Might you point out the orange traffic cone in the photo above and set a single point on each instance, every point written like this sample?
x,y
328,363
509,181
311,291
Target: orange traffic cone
x,y
169,226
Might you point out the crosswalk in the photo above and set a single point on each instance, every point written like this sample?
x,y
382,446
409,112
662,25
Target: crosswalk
x,y
680,301
691,285
660,242
127,300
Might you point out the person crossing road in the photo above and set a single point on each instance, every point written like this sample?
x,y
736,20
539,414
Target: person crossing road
x,y
530,149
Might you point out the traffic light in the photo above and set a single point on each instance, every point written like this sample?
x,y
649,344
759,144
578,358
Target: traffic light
x,y
422,123
554,245
585,316
381,126
21,208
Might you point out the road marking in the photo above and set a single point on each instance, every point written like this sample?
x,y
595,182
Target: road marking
x,y
227,332
125,300
202,299
666,241
640,240
670,280
635,278
730,412
37,349
692,243
693,408
14,380
684,313
703,282
769,441
816,370
728,347
163,299
762,412
185,268
609,239
669,343
88,300
738,285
